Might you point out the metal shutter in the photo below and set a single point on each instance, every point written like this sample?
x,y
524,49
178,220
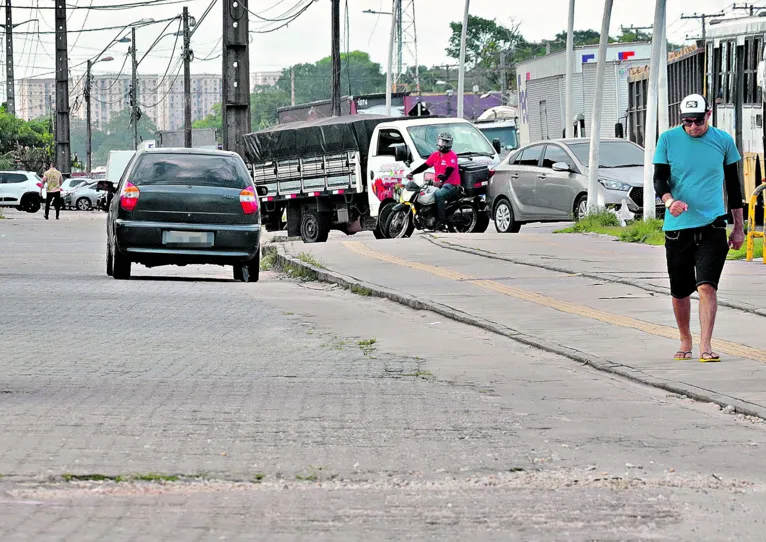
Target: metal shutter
x,y
609,109
548,120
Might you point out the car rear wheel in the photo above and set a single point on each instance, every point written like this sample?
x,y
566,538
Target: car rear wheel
x,y
250,271
120,266
109,262
504,219
83,204
315,227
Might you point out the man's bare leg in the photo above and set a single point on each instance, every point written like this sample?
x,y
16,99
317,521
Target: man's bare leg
x,y
708,310
682,308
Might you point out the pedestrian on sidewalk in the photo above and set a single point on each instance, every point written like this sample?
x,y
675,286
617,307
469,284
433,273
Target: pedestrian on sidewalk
x,y
52,181
692,165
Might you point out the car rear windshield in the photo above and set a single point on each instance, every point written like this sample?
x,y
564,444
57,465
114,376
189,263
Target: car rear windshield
x,y
190,170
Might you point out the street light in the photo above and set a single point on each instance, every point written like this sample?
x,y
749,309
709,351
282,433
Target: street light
x,y
88,145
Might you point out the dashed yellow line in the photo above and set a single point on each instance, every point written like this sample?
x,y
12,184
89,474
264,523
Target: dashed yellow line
x,y
722,346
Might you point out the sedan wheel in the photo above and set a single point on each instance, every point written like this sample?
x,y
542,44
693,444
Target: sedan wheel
x,y
581,208
83,204
504,221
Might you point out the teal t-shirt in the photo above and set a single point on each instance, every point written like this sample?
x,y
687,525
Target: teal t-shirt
x,y
696,174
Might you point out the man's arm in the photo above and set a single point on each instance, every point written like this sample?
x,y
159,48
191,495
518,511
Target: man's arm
x,y
734,193
447,174
662,181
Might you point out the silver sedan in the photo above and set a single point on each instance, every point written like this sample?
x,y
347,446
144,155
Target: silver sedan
x,y
548,182
83,197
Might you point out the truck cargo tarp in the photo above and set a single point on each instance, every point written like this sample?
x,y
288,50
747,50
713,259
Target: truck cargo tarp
x,y
312,138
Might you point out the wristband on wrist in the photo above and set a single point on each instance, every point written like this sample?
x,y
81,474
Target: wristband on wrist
x,y
669,202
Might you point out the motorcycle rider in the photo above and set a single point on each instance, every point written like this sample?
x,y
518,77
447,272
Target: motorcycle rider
x,y
444,162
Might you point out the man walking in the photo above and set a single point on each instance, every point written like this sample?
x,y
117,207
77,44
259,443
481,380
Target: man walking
x,y
52,181
692,165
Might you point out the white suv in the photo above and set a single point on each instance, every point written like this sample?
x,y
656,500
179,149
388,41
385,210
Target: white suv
x,y
20,189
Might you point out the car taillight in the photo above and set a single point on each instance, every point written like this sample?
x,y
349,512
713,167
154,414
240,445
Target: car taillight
x,y
39,185
491,173
248,201
129,197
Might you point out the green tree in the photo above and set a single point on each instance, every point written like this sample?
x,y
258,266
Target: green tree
x,y
264,103
213,120
486,41
119,134
313,82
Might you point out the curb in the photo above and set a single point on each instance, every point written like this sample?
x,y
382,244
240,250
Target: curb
x,y
284,260
606,277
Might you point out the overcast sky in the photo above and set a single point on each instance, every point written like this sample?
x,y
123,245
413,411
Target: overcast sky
x,y
308,38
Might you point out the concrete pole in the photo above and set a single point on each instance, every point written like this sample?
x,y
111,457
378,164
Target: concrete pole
x,y
134,89
461,67
594,205
662,82
187,81
650,132
569,115
389,71
89,136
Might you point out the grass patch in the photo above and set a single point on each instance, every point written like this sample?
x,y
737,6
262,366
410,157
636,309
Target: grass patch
x,y
367,346
360,290
312,477
268,261
638,231
258,478
419,374
148,477
299,272
308,258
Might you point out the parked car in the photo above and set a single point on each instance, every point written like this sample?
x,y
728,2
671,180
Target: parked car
x,y
72,183
83,197
548,182
21,189
185,206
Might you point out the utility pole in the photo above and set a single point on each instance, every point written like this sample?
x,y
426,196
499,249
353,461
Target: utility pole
x,y
650,139
662,82
292,85
503,80
461,67
747,7
134,89
389,71
10,89
236,75
86,95
335,53
187,82
399,41
594,203
703,17
63,156
569,119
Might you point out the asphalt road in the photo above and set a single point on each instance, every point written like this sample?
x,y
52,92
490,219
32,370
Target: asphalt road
x,y
286,411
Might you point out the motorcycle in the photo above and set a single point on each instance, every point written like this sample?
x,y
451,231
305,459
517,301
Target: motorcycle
x,y
418,210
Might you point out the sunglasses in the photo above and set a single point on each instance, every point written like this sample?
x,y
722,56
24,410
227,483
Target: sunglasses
x,y
696,122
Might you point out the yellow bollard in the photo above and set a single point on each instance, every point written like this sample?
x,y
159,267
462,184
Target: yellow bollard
x,y
752,233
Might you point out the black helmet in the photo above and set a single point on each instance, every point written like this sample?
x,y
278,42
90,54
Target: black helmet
x,y
444,142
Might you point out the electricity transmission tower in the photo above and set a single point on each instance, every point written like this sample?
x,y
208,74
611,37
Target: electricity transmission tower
x,y
406,41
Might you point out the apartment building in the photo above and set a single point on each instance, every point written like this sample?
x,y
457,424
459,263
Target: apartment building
x,y
269,79
159,99
206,91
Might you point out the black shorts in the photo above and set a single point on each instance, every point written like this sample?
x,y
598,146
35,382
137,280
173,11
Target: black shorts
x,y
695,257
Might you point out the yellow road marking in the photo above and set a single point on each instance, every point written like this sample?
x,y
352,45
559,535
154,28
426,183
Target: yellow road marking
x,y
722,346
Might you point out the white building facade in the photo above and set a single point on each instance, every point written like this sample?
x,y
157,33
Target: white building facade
x,y
542,90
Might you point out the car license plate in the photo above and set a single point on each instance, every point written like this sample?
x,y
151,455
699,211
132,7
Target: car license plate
x,y
188,238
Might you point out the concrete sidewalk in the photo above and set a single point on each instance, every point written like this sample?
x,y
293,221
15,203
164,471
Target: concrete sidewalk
x,y
743,284
614,326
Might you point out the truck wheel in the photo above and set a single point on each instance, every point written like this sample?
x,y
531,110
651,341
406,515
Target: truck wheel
x,y
315,227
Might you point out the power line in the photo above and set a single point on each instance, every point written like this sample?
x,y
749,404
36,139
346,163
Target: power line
x,y
293,18
99,29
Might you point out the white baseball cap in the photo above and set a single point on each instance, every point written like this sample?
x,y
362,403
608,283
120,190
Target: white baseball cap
x,y
693,106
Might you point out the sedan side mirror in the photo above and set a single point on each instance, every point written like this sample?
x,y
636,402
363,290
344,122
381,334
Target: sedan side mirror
x,y
561,166
262,190
498,145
